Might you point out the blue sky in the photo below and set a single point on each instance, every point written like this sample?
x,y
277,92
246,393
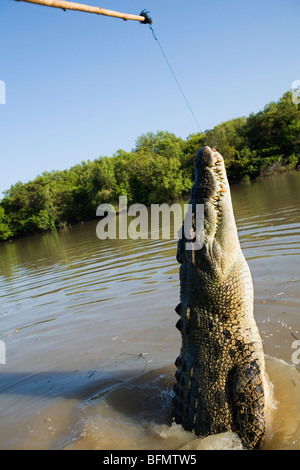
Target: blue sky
x,y
80,85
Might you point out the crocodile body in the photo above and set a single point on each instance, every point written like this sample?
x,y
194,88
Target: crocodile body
x,y
221,383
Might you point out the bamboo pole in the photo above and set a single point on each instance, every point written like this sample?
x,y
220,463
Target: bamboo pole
x,y
89,9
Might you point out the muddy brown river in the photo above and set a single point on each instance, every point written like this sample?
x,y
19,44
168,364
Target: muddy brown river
x,y
88,337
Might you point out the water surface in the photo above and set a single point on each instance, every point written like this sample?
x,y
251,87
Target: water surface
x,y
89,329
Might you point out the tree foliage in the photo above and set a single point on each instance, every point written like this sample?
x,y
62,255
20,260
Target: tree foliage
x,y
160,168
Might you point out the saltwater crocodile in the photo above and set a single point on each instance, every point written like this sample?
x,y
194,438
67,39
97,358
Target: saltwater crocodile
x,y
221,384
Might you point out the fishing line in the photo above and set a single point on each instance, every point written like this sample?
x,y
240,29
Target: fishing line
x,y
149,21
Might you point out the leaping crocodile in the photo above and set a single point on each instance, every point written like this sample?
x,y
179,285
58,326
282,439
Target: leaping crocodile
x,y
221,383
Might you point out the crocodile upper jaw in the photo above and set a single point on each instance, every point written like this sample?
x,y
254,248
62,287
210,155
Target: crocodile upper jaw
x,y
221,247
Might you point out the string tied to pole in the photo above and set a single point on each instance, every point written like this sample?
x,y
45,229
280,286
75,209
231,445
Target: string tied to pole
x,y
146,15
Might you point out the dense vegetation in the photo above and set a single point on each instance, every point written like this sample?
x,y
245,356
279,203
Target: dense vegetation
x,y
158,169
